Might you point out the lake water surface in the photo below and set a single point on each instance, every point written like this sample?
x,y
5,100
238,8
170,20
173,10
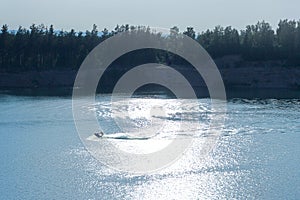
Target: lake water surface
x,y
256,155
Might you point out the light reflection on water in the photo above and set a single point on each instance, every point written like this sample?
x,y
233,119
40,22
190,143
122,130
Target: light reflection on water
x,y
171,119
256,156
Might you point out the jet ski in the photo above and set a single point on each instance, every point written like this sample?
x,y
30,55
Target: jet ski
x,y
99,134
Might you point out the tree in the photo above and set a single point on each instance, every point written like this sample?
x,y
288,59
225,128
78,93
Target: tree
x,y
231,40
174,30
265,39
94,30
286,35
297,45
258,41
4,29
105,33
190,32
4,42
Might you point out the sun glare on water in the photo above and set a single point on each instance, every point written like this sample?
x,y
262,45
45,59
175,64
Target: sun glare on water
x,y
149,125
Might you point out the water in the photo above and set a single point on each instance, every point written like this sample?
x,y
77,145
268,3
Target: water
x,y
256,156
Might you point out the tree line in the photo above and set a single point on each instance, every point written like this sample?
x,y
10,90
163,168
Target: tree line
x,y
44,48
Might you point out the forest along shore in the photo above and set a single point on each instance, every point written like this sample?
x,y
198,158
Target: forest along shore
x,y
255,60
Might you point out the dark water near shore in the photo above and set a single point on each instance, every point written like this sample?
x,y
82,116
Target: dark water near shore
x,y
42,157
201,92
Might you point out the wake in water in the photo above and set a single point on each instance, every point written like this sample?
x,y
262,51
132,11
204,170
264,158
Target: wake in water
x,y
116,136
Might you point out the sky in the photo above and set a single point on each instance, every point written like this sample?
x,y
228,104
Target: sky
x,y
82,14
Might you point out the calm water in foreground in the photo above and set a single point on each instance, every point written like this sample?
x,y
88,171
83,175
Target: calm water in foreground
x,y
257,155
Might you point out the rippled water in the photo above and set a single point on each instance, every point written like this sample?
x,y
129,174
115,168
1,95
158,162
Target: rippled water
x,y
256,155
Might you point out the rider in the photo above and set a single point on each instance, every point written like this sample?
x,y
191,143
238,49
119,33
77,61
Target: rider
x,y
99,134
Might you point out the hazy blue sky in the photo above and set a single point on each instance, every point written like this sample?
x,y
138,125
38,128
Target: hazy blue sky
x,y
81,14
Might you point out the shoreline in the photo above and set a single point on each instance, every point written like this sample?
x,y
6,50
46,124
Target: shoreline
x,y
240,77
231,93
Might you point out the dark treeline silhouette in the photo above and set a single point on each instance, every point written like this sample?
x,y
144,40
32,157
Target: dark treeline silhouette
x,y
257,42
42,48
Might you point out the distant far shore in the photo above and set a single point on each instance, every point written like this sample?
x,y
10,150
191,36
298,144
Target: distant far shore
x,y
268,79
